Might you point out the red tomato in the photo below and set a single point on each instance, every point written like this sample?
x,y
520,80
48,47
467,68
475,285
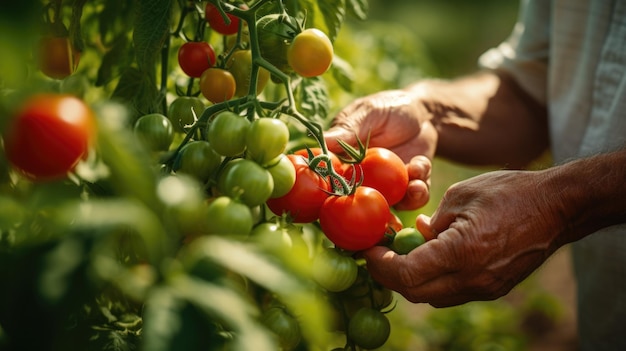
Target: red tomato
x,y
337,164
355,222
196,57
216,21
49,136
384,171
307,195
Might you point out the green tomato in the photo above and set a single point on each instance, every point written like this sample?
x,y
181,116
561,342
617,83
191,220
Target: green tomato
x,y
369,328
181,112
227,133
155,131
275,32
198,159
334,271
266,139
284,326
406,240
284,175
240,65
228,216
247,181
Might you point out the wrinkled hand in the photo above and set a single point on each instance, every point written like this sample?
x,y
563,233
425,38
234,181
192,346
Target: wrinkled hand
x,y
491,232
394,120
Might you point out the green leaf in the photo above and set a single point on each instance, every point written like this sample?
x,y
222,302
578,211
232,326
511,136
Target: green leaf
x,y
139,92
343,73
357,8
115,61
312,97
151,29
333,12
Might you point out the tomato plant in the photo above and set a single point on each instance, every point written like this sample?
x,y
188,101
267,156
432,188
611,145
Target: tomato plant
x,y
227,216
284,326
369,328
183,112
311,53
321,167
240,66
218,23
196,57
384,171
283,173
155,131
198,159
57,57
266,139
304,200
217,85
357,221
49,135
247,181
333,271
275,34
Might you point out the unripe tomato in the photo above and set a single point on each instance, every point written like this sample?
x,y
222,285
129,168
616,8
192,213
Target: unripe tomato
x,y
283,173
57,57
311,53
247,181
196,57
334,271
369,328
217,23
217,85
276,32
181,111
284,326
198,159
228,216
406,240
155,131
227,133
266,138
49,135
240,65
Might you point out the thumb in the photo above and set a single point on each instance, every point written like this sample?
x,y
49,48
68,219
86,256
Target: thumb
x,y
339,133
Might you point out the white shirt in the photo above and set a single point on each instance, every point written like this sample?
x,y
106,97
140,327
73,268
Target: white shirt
x,y
571,55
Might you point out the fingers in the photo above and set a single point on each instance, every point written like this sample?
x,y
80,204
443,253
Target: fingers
x,y
339,133
417,193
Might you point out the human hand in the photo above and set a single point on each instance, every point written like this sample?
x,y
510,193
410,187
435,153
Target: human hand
x,y
395,120
490,233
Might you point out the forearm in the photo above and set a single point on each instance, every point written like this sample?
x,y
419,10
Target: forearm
x,y
590,193
484,119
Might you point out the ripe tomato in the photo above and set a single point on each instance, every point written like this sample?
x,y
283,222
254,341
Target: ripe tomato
x,y
247,181
240,65
228,216
275,33
283,173
334,271
155,131
216,21
266,138
181,111
284,326
336,162
406,240
49,135
357,221
57,57
217,85
198,159
227,133
311,53
369,328
305,198
384,171
196,57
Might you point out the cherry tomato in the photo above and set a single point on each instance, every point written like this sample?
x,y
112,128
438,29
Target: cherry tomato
x,y
181,111
57,57
283,173
336,162
240,65
49,135
357,221
311,53
384,171
228,216
275,33
217,85
155,131
196,57
227,133
334,271
217,22
266,138
247,181
305,198
198,159
284,326
278,239
369,328
406,240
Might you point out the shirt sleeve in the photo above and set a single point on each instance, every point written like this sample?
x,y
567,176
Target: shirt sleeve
x,y
524,54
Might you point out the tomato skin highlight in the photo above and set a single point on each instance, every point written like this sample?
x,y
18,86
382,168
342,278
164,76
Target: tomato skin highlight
x,y
355,222
196,57
49,136
304,200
